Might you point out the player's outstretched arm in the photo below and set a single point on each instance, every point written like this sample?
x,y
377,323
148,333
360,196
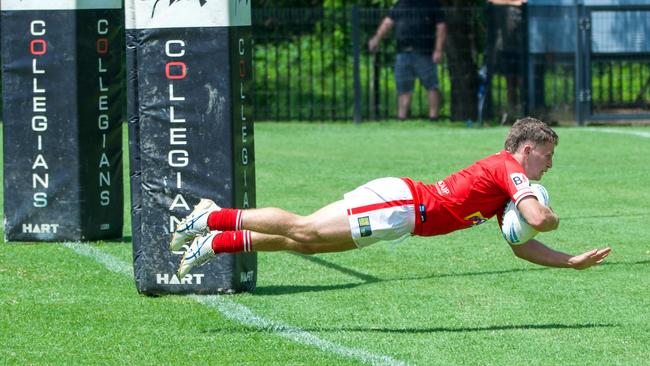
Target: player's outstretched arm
x,y
590,258
538,253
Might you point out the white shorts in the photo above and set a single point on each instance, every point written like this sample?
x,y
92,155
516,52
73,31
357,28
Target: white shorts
x,y
380,210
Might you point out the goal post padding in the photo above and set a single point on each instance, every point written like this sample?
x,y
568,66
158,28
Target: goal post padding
x,y
190,133
62,90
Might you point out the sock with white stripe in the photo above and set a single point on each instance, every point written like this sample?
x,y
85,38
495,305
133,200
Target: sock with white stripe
x,y
226,219
232,242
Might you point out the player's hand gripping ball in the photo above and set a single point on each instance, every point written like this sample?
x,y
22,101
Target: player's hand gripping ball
x,y
514,227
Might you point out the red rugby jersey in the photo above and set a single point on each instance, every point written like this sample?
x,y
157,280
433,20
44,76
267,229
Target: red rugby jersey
x,y
470,196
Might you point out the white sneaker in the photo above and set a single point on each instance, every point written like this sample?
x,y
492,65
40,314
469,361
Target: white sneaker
x,y
199,253
195,224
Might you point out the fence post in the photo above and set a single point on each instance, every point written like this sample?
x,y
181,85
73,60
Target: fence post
x,y
356,50
582,92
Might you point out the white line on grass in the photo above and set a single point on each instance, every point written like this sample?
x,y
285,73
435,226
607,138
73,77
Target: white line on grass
x,y
240,313
112,263
244,315
624,132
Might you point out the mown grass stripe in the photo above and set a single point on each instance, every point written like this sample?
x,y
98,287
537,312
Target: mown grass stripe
x,y
240,313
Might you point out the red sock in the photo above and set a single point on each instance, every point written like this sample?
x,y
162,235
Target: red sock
x,y
232,242
225,219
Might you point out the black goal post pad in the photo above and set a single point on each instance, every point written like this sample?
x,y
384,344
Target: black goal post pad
x,y
190,134
62,90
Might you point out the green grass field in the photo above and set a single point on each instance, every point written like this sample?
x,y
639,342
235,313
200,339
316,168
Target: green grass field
x,y
461,299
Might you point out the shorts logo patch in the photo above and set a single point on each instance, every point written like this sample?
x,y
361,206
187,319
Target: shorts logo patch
x,y
364,226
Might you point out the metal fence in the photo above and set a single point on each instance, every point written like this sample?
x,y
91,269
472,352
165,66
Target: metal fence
x,y
609,51
614,53
303,64
314,64
306,61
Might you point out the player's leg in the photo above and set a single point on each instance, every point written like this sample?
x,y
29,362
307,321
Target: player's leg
x,y
327,225
272,243
326,230
193,225
382,209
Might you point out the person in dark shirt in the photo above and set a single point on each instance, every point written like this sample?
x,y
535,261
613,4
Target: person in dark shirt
x,y
420,32
506,46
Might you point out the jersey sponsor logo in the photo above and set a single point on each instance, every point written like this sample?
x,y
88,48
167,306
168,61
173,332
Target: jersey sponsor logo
x,y
476,218
520,180
364,226
442,188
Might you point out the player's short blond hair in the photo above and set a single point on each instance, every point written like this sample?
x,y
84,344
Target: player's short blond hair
x,y
532,130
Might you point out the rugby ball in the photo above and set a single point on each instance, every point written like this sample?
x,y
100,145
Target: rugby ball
x,y
514,227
